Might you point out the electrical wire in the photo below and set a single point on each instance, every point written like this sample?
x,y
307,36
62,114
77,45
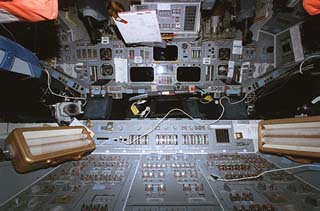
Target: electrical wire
x,y
148,112
188,115
185,113
204,102
58,95
217,178
275,82
298,69
302,63
8,31
233,103
202,91
201,100
268,91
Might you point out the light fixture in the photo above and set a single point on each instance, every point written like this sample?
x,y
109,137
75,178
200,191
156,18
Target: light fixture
x,y
42,147
297,138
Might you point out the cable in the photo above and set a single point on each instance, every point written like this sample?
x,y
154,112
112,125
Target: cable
x,y
58,95
145,112
204,102
148,112
188,115
201,90
138,97
9,32
297,69
267,91
206,99
310,57
185,113
233,103
217,178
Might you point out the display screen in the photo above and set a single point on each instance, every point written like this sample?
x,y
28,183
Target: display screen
x,y
170,53
188,74
105,54
141,74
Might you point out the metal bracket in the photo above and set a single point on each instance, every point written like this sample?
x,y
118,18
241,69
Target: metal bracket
x,y
5,155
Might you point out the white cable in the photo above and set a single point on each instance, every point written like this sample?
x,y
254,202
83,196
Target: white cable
x,y
148,112
188,115
145,112
310,57
58,95
211,177
185,113
239,101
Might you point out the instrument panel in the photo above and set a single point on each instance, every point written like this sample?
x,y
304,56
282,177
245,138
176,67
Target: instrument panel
x,y
142,165
170,170
209,54
210,65
166,182
173,136
180,17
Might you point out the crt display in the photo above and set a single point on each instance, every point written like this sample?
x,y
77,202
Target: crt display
x,y
170,53
141,74
190,74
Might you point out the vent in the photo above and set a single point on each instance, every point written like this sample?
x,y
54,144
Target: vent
x,y
165,139
190,18
145,208
139,139
175,208
222,136
195,139
210,73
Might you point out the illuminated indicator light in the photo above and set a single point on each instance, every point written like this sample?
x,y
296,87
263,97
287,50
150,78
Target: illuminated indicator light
x,y
192,88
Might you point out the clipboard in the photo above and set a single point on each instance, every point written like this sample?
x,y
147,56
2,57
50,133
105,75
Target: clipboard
x,y
139,27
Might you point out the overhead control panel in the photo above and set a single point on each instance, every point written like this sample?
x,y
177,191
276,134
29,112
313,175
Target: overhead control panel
x,y
181,18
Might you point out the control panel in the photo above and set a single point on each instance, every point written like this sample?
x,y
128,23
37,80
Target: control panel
x,y
215,66
175,17
166,182
218,53
174,136
173,167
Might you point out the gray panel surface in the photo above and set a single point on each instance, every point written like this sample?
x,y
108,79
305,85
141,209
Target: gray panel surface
x,y
173,177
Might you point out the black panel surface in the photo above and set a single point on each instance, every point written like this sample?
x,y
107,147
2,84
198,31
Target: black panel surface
x,y
170,53
188,74
141,74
